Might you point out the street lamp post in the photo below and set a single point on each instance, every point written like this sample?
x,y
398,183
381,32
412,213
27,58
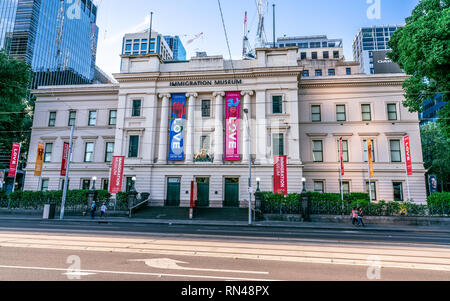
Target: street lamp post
x,y
304,185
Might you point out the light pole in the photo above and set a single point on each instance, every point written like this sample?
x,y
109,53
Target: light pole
x,y
93,183
304,185
250,188
258,180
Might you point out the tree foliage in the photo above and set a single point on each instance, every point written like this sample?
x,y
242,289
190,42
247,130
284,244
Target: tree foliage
x,y
422,49
15,113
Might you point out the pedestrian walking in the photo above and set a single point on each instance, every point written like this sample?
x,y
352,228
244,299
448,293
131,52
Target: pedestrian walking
x,y
93,209
354,216
360,218
103,211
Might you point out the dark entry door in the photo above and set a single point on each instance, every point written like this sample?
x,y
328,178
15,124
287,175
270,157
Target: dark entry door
x,y
173,192
203,192
231,192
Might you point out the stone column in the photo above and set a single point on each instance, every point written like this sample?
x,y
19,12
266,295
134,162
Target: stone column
x,y
246,105
261,128
164,129
190,128
119,142
218,125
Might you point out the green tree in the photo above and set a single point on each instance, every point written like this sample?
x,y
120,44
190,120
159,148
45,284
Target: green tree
x,y
15,112
422,49
436,152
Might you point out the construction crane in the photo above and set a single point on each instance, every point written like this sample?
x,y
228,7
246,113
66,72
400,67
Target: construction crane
x,y
59,34
247,51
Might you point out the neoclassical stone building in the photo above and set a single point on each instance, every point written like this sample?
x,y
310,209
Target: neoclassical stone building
x,y
302,118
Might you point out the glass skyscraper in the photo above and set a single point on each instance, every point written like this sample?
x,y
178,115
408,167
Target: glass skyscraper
x,y
179,52
371,39
57,38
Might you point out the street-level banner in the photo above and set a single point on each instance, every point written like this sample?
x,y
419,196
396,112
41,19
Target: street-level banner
x,y
280,175
233,126
15,153
369,152
65,159
116,176
341,154
408,156
177,126
39,160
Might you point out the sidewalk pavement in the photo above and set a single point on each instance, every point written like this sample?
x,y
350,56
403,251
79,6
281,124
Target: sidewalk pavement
x,y
266,224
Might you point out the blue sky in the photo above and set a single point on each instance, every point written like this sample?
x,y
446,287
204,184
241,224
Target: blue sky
x,y
187,18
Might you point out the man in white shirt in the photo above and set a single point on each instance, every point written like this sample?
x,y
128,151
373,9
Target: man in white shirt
x,y
103,210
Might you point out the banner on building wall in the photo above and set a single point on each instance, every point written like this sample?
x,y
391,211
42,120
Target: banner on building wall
x,y
433,184
65,159
280,175
39,160
369,155
15,153
341,155
177,126
409,169
116,177
233,126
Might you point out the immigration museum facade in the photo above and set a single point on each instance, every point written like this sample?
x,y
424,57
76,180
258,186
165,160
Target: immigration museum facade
x,y
174,123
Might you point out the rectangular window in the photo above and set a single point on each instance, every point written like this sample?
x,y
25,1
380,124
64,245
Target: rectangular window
x,y
396,153
398,191
305,73
89,152
134,147
105,184
303,55
348,71
344,151
341,114
314,55
366,158
392,111
336,54
48,152
331,72
86,184
109,153
316,115
373,191
112,117
277,104
206,108
345,187
44,184
317,151
318,72
326,55
366,112
72,117
52,119
136,112
130,184
92,118
278,144
63,182
319,186
205,143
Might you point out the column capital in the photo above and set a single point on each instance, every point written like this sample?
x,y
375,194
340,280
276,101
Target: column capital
x,y
164,95
192,94
215,94
250,93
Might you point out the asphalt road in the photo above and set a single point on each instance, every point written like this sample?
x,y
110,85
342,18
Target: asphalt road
x,y
79,251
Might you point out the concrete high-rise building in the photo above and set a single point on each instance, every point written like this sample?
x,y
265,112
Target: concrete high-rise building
x,y
368,40
177,47
57,38
137,44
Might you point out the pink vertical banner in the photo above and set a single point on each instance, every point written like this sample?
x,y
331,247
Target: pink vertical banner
x,y
233,126
280,175
409,168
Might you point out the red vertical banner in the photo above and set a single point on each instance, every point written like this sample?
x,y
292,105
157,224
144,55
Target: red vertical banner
x,y
233,126
14,160
65,159
341,154
280,175
409,169
116,177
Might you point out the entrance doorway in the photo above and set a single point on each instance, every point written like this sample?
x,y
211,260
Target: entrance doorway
x,y
173,192
231,192
203,192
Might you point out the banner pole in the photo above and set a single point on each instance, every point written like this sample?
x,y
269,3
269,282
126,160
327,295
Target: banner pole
x,y
66,179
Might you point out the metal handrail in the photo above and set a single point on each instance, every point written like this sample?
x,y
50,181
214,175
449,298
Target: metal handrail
x,y
138,205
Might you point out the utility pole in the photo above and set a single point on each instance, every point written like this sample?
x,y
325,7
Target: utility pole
x,y
150,35
66,179
274,42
